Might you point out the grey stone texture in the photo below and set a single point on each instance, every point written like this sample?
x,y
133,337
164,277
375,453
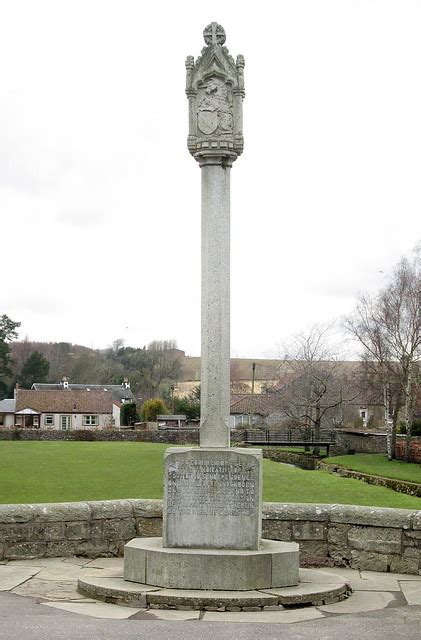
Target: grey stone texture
x,y
104,535
212,498
215,92
314,587
275,564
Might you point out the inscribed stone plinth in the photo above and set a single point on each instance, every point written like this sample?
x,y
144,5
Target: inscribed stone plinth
x,y
212,498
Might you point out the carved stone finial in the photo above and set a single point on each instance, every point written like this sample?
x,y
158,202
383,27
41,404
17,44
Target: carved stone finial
x,y
215,90
214,34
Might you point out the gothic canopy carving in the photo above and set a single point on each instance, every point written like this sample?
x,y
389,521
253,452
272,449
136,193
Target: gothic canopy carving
x,y
215,91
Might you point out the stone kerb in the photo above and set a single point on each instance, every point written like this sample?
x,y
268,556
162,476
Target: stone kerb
x,y
367,538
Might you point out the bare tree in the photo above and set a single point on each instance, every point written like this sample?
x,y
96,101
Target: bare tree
x,y
316,387
388,328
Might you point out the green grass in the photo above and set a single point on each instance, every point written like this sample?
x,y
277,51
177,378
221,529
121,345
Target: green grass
x,y
71,471
378,465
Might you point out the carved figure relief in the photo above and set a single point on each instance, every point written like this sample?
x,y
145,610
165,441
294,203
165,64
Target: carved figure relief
x,y
214,108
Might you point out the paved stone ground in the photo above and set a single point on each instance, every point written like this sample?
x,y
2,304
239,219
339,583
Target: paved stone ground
x,y
49,584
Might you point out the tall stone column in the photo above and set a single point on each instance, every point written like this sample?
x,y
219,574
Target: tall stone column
x,y
215,353
215,89
211,529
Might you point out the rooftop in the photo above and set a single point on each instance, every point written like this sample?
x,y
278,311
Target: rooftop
x,y
68,401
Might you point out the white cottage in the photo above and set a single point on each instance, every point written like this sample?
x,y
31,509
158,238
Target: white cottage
x,y
66,409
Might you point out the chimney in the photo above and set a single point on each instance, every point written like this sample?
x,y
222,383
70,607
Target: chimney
x,y
16,389
65,383
126,383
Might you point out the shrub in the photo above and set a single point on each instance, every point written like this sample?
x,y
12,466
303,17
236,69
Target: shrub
x,y
187,406
153,408
16,434
84,435
128,414
416,427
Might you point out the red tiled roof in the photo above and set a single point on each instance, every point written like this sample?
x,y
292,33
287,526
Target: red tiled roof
x,y
65,401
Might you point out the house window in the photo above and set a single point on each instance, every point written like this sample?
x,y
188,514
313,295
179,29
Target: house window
x,y
65,422
364,415
90,421
49,420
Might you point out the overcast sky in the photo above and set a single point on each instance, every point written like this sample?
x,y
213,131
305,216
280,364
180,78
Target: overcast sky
x,y
100,199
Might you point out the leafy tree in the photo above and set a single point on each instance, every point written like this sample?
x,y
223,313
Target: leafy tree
x,y
35,369
128,414
187,406
152,408
7,334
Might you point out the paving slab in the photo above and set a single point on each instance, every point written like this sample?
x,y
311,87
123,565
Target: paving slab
x,y
106,563
172,614
11,577
48,562
60,573
378,575
49,589
321,576
96,609
386,584
285,616
411,591
102,573
360,602
344,572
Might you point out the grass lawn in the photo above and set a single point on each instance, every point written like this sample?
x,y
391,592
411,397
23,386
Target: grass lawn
x,y
377,464
71,471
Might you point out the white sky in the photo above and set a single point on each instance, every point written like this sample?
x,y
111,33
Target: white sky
x,y
100,199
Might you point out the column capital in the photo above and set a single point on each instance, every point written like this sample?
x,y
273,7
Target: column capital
x,y
212,159
215,91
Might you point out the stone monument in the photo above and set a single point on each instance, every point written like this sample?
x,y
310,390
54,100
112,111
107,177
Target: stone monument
x,y
213,494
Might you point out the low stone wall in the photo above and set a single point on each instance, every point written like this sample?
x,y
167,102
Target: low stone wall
x,y
169,436
410,488
288,457
367,538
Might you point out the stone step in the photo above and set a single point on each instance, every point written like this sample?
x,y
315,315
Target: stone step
x,y
315,588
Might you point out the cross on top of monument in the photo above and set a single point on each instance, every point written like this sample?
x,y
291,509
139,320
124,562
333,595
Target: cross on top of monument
x,y
214,34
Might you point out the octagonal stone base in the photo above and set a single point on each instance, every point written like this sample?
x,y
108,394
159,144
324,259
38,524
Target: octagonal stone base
x,y
275,564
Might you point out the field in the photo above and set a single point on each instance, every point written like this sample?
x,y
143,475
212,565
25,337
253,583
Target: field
x,y
71,471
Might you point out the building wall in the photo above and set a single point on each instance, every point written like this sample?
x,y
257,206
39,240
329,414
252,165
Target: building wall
x,y
8,421
359,442
76,421
116,416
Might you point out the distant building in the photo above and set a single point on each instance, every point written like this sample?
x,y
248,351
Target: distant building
x,y
76,409
121,392
7,413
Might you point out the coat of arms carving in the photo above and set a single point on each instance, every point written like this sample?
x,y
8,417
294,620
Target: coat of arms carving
x,y
214,108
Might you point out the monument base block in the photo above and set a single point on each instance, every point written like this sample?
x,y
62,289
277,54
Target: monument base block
x,y
274,564
212,498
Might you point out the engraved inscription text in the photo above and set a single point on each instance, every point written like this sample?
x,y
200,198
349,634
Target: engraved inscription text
x,y
211,487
